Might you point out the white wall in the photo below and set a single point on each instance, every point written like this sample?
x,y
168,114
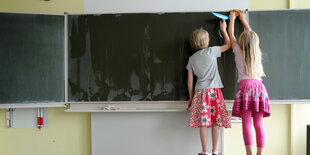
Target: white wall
x,y
137,6
139,133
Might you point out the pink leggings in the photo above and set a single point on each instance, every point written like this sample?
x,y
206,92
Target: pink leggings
x,y
247,128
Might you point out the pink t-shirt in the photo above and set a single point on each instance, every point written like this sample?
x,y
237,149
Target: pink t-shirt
x,y
239,64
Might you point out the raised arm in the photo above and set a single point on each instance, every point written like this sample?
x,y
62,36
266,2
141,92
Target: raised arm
x,y
190,88
227,44
231,29
244,21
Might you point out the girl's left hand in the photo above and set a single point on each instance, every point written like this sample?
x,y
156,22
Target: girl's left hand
x,y
241,15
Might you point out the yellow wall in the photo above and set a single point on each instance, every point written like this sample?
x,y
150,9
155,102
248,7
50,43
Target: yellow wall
x,y
67,134
42,6
300,4
269,4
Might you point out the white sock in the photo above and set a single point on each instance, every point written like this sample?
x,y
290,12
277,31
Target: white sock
x,y
215,152
206,153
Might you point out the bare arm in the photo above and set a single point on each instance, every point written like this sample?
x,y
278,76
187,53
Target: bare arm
x,y
231,29
244,21
227,44
190,87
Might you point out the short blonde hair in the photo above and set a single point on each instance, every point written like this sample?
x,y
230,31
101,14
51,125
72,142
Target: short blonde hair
x,y
199,39
251,55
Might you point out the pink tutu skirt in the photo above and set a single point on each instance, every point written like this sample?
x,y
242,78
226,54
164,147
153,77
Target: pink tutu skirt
x,y
208,109
251,95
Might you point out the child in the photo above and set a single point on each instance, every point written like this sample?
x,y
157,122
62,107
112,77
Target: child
x,y
251,97
207,108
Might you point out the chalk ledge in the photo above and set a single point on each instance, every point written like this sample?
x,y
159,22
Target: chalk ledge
x,y
150,106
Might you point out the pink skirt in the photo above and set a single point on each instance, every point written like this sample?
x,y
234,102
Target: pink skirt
x,y
208,109
251,95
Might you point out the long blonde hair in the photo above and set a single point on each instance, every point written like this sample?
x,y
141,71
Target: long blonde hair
x,y
252,56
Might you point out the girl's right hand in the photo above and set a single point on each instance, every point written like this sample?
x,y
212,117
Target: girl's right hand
x,y
223,25
232,15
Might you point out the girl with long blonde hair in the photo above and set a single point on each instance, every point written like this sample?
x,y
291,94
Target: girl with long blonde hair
x,y
251,98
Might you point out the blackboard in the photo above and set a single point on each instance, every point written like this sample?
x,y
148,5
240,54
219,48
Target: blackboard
x,y
31,58
135,57
285,42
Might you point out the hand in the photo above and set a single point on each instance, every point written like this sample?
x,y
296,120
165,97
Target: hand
x,y
232,15
241,15
189,104
223,25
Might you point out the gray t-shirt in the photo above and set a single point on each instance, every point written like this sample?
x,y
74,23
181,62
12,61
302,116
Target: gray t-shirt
x,y
203,64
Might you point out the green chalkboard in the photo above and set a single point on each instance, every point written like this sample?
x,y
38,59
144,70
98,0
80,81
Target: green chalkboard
x,y
285,42
31,58
134,57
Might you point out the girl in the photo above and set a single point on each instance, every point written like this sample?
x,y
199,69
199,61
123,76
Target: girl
x,y
251,97
206,107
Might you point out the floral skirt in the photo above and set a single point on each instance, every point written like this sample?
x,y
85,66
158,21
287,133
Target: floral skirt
x,y
251,95
208,109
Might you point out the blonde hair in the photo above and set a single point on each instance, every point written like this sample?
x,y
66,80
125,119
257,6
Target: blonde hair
x,y
199,39
252,56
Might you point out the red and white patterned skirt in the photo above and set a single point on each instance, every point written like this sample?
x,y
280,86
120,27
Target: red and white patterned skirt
x,y
208,109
